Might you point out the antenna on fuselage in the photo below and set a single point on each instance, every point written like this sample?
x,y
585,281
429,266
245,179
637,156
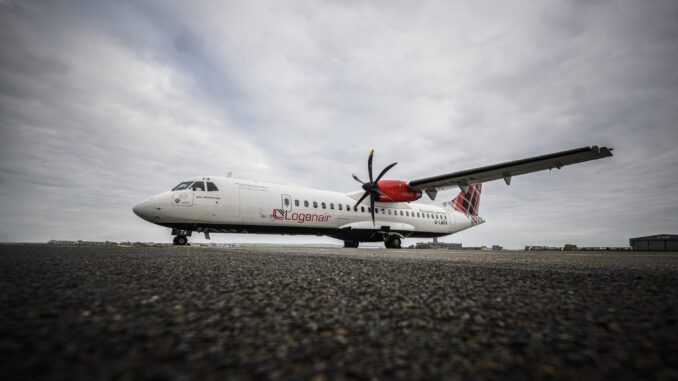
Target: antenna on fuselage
x,y
229,174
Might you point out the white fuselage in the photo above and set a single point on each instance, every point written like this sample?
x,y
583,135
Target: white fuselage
x,y
241,206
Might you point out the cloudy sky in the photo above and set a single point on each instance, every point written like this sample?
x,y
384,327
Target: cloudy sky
x,y
105,103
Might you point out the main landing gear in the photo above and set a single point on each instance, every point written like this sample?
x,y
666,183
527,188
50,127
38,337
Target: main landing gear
x,y
392,242
351,243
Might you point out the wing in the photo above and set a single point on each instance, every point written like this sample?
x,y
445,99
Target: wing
x,y
463,179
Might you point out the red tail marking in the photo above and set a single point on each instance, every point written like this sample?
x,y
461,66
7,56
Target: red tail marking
x,y
468,202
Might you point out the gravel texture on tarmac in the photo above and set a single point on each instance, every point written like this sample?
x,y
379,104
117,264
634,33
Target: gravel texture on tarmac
x,y
324,314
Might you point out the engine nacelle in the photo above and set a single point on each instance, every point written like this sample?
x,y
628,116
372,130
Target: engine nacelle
x,y
397,190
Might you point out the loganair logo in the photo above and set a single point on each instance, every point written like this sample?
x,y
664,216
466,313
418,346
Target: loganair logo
x,y
282,215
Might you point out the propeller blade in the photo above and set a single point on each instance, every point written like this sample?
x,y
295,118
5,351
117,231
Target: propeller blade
x,y
357,179
369,164
372,209
384,171
361,199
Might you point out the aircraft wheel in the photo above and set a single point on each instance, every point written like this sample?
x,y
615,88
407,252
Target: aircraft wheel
x,y
180,240
393,242
351,243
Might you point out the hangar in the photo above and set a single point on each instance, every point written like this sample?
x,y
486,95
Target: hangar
x,y
655,242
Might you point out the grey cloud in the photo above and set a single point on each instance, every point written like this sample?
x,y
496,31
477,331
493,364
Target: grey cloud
x,y
105,103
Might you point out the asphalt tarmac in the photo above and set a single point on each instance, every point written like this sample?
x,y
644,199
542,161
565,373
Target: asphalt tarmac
x,y
130,313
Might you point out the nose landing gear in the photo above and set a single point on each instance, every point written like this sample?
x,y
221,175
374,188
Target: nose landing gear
x,y
180,240
181,236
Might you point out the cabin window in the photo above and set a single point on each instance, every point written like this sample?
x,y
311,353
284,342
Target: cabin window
x,y
182,186
340,206
369,210
376,210
406,213
198,186
362,209
211,187
287,202
389,211
296,202
323,205
306,203
418,215
315,204
348,207
355,208
332,205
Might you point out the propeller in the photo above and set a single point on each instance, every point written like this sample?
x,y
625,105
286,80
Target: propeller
x,y
371,188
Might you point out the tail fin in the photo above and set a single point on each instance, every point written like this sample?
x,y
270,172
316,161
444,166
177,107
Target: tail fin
x,y
468,202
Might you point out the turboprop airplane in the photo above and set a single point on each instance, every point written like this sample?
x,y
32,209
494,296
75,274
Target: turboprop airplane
x,y
382,211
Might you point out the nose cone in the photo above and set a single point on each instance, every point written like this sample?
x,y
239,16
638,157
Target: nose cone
x,y
144,209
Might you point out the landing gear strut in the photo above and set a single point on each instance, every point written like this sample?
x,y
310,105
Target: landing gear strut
x,y
180,240
181,235
351,243
392,242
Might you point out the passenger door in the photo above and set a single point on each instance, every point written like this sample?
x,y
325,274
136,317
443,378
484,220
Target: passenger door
x,y
286,202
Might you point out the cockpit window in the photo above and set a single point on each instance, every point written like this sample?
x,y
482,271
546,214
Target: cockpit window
x,y
198,186
211,187
182,186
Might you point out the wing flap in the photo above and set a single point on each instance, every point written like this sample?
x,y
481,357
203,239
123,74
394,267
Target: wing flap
x,y
509,169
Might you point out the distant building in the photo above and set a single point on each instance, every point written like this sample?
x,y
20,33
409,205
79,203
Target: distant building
x,y
655,242
570,247
543,248
497,248
438,245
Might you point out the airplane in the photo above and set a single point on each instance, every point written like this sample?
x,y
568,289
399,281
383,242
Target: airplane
x,y
383,211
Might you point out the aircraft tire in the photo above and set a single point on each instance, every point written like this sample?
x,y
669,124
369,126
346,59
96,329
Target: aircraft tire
x,y
392,242
180,240
351,244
